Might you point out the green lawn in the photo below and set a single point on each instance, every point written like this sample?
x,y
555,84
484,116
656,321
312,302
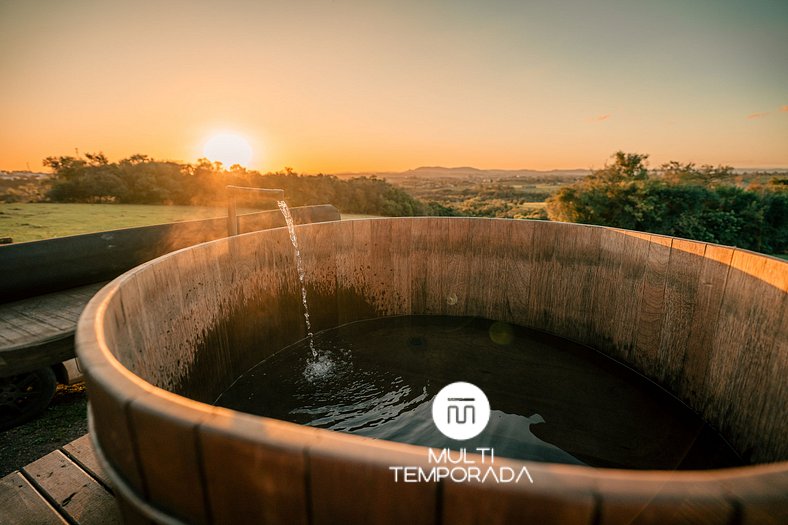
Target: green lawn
x,y
32,222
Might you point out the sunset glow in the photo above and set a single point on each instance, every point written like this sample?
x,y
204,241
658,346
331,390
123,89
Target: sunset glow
x,y
229,149
353,85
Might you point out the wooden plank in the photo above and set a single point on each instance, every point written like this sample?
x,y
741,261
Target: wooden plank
x,y
169,457
647,510
693,499
108,404
14,330
317,246
618,291
508,261
755,496
29,321
561,288
350,484
651,314
551,499
387,272
501,254
681,293
426,256
45,320
455,271
21,504
700,349
74,492
254,481
426,265
61,306
82,452
746,375
47,352
353,265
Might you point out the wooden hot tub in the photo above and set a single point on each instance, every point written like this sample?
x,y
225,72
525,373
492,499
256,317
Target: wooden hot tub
x,y
709,323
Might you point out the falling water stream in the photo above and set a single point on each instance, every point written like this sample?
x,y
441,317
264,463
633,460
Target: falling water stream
x,y
319,365
301,274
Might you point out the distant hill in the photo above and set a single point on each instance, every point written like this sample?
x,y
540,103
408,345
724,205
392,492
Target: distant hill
x,y
439,172
12,175
467,172
748,171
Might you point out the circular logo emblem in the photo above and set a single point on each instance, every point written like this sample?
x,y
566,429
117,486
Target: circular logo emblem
x,y
460,411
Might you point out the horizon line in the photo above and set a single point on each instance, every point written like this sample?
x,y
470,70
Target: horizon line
x,y
431,167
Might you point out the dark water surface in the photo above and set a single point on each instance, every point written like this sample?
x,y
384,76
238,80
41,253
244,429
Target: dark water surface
x,y
551,399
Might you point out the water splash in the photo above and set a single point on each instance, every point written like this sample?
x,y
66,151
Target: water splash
x,y
318,368
301,274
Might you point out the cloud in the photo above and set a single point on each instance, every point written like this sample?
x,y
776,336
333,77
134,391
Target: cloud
x,y
753,116
601,117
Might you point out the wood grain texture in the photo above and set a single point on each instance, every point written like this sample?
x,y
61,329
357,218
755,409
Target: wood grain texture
x,y
81,452
318,249
679,302
564,271
427,265
166,445
663,501
21,504
751,491
692,385
503,258
652,306
388,270
749,360
108,404
249,481
550,500
74,492
39,331
356,485
353,263
621,267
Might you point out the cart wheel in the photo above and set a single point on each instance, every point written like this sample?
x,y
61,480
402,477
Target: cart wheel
x,y
25,396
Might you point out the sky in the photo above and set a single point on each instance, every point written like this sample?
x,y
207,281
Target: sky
x,y
352,86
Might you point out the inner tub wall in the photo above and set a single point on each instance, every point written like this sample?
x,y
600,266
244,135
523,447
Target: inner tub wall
x,y
706,322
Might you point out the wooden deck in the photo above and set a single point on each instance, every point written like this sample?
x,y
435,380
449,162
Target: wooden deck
x,y
39,331
65,486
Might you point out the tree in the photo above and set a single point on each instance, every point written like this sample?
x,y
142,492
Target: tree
x,y
680,200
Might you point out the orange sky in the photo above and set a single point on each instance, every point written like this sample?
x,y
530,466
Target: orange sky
x,y
343,86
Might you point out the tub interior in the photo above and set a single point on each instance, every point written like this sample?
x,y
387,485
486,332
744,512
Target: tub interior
x,y
552,400
704,322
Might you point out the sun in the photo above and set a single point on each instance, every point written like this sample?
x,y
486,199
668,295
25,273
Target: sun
x,y
229,149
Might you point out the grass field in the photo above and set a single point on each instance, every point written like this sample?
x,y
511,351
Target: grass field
x,y
33,222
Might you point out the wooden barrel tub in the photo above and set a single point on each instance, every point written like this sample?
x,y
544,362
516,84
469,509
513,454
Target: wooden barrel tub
x,y
159,343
